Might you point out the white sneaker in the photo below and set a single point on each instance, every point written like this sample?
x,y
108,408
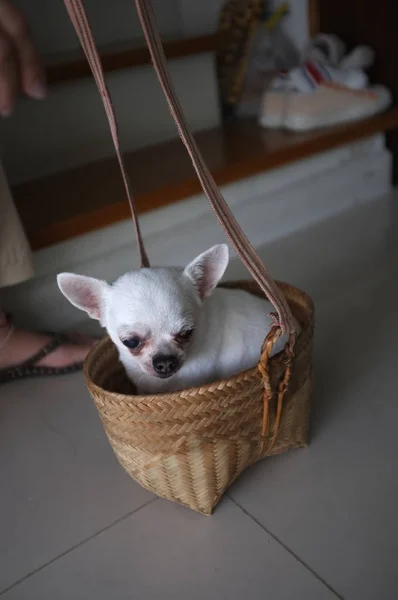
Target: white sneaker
x,y
328,104
329,50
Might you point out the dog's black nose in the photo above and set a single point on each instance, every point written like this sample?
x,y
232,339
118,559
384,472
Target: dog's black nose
x,y
165,364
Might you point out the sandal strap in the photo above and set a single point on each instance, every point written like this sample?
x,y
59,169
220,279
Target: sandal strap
x,y
15,373
58,340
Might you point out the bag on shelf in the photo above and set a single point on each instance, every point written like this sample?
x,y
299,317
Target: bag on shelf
x,y
252,49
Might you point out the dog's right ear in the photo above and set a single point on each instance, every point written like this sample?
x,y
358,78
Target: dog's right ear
x,y
86,293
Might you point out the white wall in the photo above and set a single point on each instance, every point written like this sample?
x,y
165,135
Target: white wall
x,y
70,127
116,20
202,16
198,17
111,21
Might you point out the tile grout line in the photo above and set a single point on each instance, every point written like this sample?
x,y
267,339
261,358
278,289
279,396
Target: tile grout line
x,y
293,554
72,548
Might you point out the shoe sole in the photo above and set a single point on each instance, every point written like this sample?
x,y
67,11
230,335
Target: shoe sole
x,y
308,123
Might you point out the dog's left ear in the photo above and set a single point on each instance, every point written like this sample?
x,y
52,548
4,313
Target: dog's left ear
x,y
207,269
86,293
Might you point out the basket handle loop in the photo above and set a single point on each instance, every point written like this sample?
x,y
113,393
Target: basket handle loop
x,y
268,344
238,239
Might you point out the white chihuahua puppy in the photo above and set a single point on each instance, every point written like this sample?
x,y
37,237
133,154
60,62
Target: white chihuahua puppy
x,y
172,328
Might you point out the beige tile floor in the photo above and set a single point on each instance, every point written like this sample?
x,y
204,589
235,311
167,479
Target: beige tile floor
x,y
313,524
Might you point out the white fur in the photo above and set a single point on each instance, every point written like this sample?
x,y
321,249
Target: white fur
x,y
155,304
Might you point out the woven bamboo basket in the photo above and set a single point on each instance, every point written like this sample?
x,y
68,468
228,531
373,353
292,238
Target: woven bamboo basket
x,y
191,445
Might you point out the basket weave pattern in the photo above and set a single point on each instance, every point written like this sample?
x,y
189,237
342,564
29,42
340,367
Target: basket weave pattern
x,y
189,446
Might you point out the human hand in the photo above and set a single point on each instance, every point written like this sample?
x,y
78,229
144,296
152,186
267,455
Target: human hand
x,y
20,67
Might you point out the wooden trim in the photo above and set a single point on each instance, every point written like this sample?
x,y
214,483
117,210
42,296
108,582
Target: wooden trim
x,y
71,66
64,205
313,18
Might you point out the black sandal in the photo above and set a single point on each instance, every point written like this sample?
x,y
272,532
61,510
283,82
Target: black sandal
x,y
28,368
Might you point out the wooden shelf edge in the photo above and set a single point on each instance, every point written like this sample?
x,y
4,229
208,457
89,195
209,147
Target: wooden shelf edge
x,y
76,67
323,140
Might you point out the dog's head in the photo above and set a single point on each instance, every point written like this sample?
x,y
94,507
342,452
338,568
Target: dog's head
x,y
152,315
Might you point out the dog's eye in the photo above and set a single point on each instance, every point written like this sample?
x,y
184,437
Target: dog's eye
x,y
132,343
186,334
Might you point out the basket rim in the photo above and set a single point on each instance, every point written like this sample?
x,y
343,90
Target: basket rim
x,y
190,391
142,397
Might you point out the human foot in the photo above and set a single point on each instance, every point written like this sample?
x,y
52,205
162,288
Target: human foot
x,y
18,346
